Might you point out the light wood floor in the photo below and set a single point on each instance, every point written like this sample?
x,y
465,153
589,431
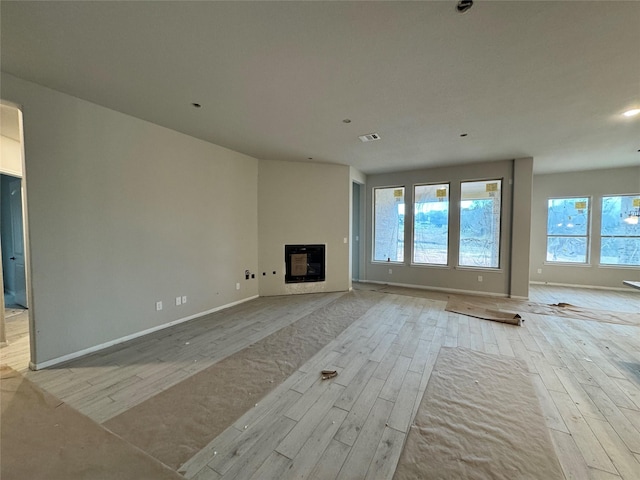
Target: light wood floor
x,y
586,375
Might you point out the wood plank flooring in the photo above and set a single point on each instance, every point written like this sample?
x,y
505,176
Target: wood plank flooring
x,y
586,375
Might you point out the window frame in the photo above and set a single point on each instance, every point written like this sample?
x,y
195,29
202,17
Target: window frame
x,y
614,265
413,224
498,267
373,224
588,234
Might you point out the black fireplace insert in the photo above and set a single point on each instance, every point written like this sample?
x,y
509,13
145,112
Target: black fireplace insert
x,y
304,263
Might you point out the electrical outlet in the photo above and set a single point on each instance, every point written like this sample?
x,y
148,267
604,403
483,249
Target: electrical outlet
x,y
178,301
184,299
479,278
237,286
390,271
539,270
158,306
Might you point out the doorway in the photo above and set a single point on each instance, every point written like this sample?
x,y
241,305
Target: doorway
x,y
15,320
12,240
355,232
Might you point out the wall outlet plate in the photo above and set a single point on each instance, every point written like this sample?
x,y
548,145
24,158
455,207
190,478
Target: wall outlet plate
x,y
158,306
178,301
184,299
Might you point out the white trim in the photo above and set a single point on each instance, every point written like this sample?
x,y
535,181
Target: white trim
x,y
621,267
475,269
567,264
438,289
575,285
86,351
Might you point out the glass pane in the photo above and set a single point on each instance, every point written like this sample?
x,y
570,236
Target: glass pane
x,y
567,249
619,216
480,224
431,224
620,251
568,216
388,233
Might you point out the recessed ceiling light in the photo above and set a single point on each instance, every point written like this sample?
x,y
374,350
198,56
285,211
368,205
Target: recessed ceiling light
x,y
196,105
632,113
464,5
346,120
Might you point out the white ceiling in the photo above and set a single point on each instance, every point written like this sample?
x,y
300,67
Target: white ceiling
x,y
276,79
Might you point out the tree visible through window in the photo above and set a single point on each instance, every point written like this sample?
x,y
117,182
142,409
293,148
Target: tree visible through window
x,y
480,207
567,230
430,224
388,224
620,230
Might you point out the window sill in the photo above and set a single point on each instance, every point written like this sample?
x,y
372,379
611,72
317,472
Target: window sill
x,y
430,265
482,269
567,264
625,267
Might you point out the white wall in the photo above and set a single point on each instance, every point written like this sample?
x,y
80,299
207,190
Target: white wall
x,y
594,184
303,203
503,281
123,213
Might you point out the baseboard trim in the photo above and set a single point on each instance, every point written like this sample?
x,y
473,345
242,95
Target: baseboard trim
x,y
519,297
102,346
575,285
438,289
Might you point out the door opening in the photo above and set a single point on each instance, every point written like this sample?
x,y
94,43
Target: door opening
x,y
355,232
12,239
16,321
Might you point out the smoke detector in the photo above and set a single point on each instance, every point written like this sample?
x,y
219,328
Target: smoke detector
x,y
369,137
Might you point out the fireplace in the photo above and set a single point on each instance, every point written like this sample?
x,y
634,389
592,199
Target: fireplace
x,y
304,263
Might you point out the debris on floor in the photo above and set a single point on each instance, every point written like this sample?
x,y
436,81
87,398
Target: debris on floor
x,y
478,311
326,374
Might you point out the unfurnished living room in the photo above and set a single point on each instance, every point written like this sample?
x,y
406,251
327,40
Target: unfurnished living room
x,y
320,240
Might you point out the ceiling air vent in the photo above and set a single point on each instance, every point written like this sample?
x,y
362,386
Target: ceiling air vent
x,y
370,137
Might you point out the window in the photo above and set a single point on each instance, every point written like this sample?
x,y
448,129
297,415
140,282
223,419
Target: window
x,y
480,224
620,230
430,224
388,224
567,230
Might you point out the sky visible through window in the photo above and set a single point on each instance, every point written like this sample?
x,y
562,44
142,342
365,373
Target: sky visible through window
x,y
567,230
388,230
620,230
480,210
431,224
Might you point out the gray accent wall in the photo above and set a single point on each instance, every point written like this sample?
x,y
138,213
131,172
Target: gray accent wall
x,y
303,203
124,213
594,184
505,280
